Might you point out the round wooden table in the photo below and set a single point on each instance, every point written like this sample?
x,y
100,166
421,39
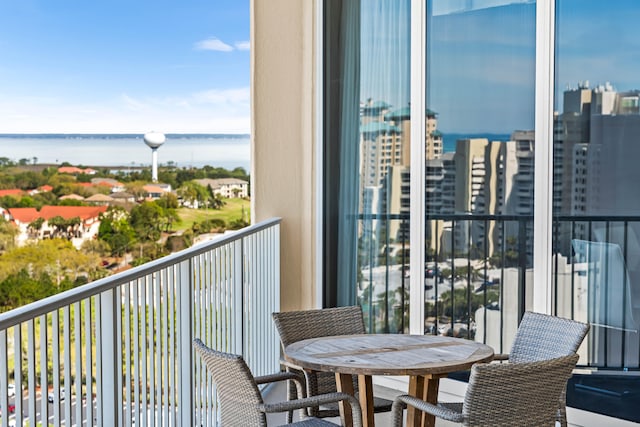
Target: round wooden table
x,y
424,358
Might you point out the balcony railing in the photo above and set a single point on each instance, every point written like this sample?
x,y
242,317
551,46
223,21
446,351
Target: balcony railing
x,y
478,279
117,352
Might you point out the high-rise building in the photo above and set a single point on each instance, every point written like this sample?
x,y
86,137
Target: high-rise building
x,y
572,127
385,158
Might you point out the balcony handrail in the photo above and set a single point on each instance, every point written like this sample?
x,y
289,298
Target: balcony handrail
x,y
501,217
66,298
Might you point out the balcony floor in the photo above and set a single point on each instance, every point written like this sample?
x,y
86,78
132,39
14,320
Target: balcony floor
x,y
278,393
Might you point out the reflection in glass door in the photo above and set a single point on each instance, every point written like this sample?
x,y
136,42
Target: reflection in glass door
x,y
596,203
367,157
596,175
479,167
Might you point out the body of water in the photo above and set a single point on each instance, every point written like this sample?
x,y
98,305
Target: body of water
x,y
227,151
449,139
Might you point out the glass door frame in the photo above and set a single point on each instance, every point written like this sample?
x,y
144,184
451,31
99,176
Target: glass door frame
x,y
544,93
543,180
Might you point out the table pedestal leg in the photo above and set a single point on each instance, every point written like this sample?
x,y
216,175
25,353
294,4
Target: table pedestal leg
x,y
365,392
344,384
416,389
426,388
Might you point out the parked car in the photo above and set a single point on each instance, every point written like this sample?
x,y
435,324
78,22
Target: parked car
x,y
11,390
12,408
51,397
484,286
430,272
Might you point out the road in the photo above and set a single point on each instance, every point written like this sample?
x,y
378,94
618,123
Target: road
x,y
50,411
378,277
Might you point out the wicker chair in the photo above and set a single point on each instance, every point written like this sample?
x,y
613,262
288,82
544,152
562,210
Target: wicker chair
x,y
509,394
541,337
241,403
294,326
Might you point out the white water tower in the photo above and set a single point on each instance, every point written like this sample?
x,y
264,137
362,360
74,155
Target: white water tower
x,y
154,140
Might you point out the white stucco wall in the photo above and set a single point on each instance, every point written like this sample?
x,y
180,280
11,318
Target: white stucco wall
x,y
282,149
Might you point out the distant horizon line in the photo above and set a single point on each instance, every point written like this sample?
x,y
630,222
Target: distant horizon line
x,y
77,134
129,134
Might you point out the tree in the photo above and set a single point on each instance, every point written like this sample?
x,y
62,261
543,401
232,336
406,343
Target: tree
x,y
192,191
147,221
116,231
29,180
511,255
98,247
462,307
27,202
137,189
64,227
54,257
5,161
21,288
216,200
8,233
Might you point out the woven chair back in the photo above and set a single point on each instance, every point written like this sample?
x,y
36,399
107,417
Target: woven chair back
x,y
522,394
294,326
237,391
541,336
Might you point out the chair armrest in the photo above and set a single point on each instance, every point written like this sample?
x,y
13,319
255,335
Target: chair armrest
x,y
297,379
439,411
501,356
321,399
288,364
280,376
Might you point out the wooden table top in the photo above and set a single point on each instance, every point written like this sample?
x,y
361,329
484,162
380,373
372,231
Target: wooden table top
x,y
387,354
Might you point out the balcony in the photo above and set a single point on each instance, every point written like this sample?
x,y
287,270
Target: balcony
x,y
485,280
118,351
127,338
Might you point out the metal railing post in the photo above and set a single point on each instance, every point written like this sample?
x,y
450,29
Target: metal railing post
x,y
238,309
522,268
185,355
4,378
109,357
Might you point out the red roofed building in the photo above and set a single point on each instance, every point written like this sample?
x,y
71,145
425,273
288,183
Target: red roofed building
x,y
87,229
41,189
11,192
70,169
24,215
74,170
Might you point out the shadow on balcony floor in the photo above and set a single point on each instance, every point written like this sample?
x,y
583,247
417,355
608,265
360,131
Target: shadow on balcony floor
x,y
278,393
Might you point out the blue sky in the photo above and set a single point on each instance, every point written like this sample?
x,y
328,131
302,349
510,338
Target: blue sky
x,y
78,66
481,56
597,41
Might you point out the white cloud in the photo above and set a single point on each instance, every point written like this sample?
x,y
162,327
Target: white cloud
x,y
131,103
223,96
209,111
213,44
244,45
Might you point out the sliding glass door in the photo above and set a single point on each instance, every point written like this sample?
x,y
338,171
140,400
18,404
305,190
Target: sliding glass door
x,y
479,167
596,249
493,143
366,159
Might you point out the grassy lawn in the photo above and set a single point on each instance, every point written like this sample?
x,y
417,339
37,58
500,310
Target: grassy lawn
x,y
232,210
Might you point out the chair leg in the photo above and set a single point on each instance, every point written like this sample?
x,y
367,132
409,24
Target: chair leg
x,y
295,390
562,410
291,395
